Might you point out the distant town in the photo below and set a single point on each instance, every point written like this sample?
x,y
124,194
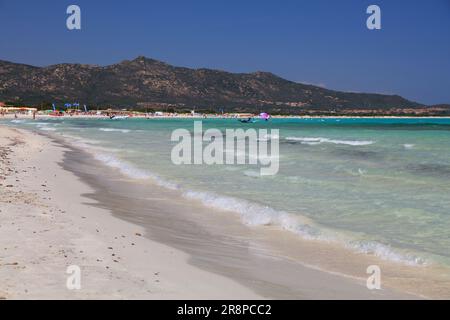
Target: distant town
x,y
7,109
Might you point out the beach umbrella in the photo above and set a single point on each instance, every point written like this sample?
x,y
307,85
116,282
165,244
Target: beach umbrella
x,y
76,104
54,107
85,108
68,105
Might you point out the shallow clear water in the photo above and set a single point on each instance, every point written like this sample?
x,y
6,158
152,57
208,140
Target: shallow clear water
x,y
380,186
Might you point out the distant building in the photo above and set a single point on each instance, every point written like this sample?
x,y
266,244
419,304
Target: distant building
x,y
16,109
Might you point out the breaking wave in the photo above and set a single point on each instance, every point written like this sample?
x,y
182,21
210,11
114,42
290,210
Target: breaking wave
x,y
319,140
114,130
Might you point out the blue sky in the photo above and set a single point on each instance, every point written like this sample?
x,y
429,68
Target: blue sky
x,y
323,42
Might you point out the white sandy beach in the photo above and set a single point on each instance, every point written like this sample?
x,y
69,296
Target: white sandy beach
x,y
46,226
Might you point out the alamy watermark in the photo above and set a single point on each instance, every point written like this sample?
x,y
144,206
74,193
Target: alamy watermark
x,y
374,280
73,22
73,281
232,147
374,20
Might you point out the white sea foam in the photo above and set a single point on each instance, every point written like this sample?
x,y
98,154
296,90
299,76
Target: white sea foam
x,y
18,121
351,143
251,214
123,167
271,137
255,214
252,173
384,252
131,171
409,146
319,140
114,130
45,128
80,142
232,168
38,123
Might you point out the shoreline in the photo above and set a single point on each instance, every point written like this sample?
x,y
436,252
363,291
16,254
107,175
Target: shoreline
x,y
215,240
300,262
47,225
200,117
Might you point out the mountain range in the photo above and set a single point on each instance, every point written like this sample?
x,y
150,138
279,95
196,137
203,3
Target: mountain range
x,y
149,84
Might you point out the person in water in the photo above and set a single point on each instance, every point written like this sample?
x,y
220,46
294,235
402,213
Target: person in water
x,y
246,121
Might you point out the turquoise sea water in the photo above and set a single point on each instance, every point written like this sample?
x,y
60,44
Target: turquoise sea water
x,y
380,186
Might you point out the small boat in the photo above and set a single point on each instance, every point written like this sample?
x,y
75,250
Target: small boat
x,y
264,116
119,117
249,120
